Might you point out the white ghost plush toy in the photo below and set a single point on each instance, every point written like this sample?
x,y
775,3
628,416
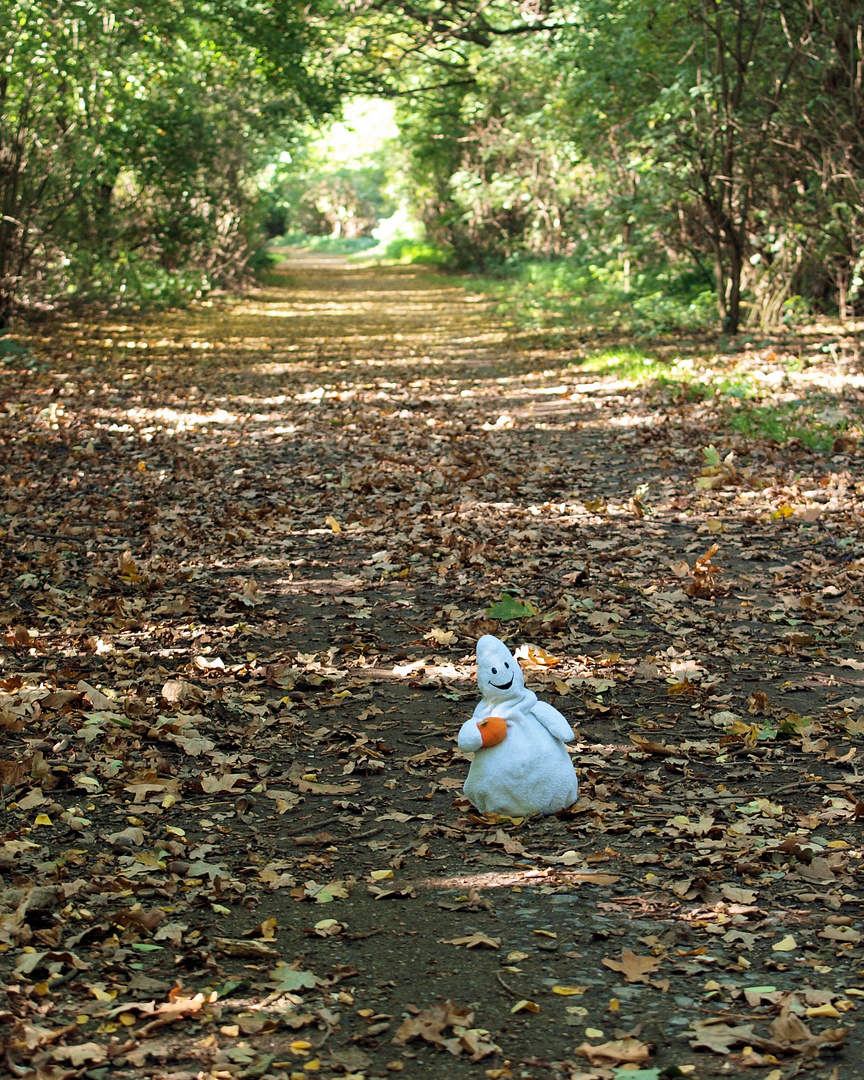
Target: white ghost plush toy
x,y
525,770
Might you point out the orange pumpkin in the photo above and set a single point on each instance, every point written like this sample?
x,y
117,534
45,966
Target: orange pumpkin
x,y
492,730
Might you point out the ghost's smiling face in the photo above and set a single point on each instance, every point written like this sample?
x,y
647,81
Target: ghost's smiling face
x,y
498,674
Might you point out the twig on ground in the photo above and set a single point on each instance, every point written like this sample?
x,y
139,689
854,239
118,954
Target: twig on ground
x,y
509,989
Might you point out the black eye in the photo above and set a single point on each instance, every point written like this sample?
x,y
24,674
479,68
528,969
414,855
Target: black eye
x,y
506,665
494,670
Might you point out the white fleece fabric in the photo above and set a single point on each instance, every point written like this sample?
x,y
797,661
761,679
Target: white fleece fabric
x,y
530,772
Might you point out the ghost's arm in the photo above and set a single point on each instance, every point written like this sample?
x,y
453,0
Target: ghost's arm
x,y
553,721
470,738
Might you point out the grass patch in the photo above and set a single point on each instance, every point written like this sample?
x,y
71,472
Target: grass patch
x,y
683,375
579,295
414,253
800,420
327,245
625,363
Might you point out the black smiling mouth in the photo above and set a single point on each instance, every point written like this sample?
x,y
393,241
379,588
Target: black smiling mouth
x,y
506,685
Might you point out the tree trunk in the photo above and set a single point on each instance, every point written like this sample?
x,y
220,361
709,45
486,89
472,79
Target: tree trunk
x,y
732,318
843,295
720,276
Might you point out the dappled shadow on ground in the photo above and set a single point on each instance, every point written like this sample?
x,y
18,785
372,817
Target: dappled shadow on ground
x,y
247,552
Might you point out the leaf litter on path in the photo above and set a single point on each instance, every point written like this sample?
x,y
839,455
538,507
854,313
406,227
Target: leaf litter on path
x,y
231,682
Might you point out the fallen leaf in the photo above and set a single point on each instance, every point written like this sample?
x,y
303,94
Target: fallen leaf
x,y
508,607
627,1051
475,941
634,968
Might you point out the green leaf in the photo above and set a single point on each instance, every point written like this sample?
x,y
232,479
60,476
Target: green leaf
x,y
508,607
710,455
143,946
794,724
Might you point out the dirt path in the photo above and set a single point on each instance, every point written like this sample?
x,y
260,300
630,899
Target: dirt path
x,y
247,553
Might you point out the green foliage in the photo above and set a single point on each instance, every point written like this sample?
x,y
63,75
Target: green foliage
x,y
337,182
581,295
332,245
648,168
12,351
130,137
809,421
635,138
508,607
416,253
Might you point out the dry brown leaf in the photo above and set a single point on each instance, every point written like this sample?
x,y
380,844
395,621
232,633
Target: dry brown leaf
x,y
430,1024
475,941
634,968
83,1053
647,746
627,1051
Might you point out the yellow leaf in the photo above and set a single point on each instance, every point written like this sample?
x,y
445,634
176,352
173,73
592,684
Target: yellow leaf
x,y
823,1010
231,1030
568,991
313,1066
300,1046
784,511
42,819
525,1006
593,1033
536,656
333,523
786,944
127,1019
381,875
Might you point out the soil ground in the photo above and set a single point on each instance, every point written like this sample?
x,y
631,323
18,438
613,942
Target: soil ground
x,y
247,552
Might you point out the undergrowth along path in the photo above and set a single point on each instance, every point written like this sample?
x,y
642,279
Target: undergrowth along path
x,y
247,552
